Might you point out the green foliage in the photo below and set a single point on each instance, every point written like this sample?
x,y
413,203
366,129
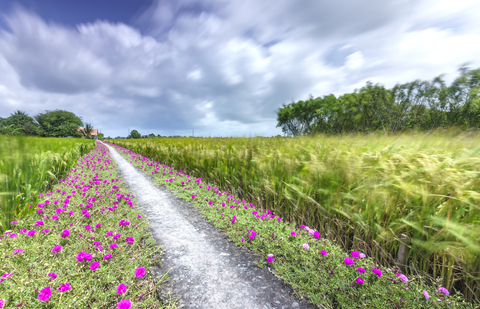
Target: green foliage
x,y
30,165
134,134
90,289
361,191
58,123
418,105
324,280
18,123
87,130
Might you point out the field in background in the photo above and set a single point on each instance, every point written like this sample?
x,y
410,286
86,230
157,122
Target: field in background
x,y
410,198
30,165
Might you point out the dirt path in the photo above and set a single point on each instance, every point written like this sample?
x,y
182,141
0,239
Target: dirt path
x,y
207,270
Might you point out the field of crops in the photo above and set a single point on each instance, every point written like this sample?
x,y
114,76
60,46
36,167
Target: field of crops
x,y
411,198
30,165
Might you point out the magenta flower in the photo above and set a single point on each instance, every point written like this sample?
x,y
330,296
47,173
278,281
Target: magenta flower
x,y
94,265
56,248
14,222
116,236
293,233
243,240
443,290
39,222
31,233
64,287
65,233
54,217
316,234
360,270
425,293
124,304
355,254
193,196
377,272
99,248
323,252
106,257
53,275
58,210
84,256
403,278
45,294
121,289
130,240
139,272
113,246
17,251
109,233
23,231
210,203
13,235
88,227
270,258
2,302
234,218
349,261
359,280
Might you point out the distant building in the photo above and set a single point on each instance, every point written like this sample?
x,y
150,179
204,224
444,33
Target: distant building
x,y
94,132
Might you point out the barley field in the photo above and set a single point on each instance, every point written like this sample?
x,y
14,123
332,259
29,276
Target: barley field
x,y
410,199
30,165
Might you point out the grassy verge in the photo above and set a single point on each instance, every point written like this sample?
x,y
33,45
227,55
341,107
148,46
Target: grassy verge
x,y
409,199
317,268
85,246
30,165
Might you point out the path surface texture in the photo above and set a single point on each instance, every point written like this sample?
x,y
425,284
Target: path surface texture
x,y
207,269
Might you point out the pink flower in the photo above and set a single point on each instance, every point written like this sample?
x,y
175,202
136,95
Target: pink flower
x,y
2,302
124,304
359,280
45,294
88,227
243,240
53,275
58,210
14,222
94,265
234,218
425,293
362,255
377,272
349,261
130,240
106,257
316,234
121,289
293,233
31,233
98,225
84,256
323,252
305,246
56,248
116,236
355,254
403,278
270,258
17,251
109,233
113,246
443,290
210,203
139,272
65,233
193,196
64,287
39,222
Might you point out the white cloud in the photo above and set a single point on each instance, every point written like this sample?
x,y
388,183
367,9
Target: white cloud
x,y
224,67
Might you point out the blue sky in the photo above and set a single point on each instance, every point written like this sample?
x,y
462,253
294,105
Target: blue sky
x,y
221,67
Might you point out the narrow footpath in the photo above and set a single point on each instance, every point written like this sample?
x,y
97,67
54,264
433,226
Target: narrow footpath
x,y
207,269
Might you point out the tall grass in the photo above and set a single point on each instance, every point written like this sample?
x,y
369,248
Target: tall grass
x,y
376,193
30,165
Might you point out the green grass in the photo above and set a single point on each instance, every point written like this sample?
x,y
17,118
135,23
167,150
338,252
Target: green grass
x,y
91,186
30,165
323,278
363,192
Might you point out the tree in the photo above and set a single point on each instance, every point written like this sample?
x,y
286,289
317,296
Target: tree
x,y
134,134
87,131
151,135
58,123
20,123
101,135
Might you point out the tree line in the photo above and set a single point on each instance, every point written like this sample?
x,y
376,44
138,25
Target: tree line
x,y
57,123
418,105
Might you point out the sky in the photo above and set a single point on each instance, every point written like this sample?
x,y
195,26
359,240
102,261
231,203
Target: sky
x,y
219,67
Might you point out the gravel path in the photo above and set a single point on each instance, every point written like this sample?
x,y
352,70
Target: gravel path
x,y
207,270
